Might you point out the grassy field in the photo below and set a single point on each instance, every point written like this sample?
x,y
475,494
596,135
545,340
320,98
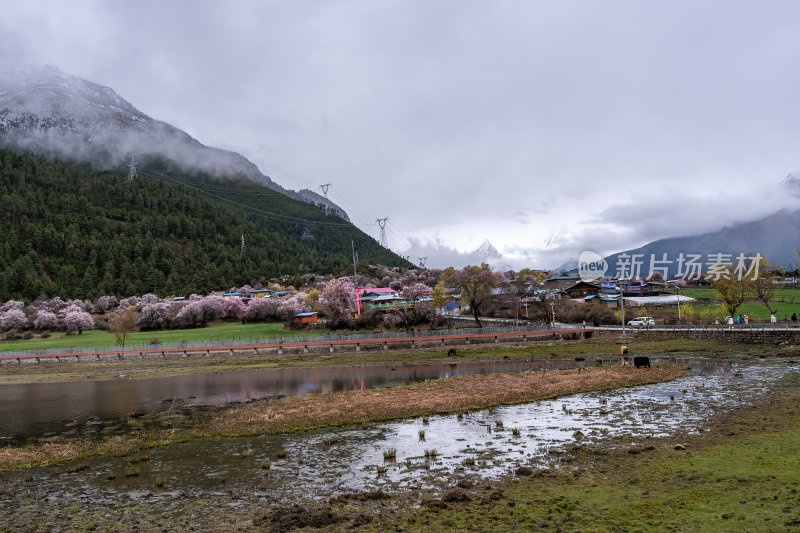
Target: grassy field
x,y
699,293
219,331
787,302
708,292
754,311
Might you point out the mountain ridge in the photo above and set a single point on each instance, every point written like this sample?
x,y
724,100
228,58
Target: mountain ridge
x,y
49,112
771,236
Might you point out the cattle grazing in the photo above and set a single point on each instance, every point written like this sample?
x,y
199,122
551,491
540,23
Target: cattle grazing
x,y
641,361
451,351
623,350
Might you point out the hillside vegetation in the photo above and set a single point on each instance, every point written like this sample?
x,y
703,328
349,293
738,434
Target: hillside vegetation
x,y
81,234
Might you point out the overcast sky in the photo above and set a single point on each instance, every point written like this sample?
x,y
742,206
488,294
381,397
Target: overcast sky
x,y
546,127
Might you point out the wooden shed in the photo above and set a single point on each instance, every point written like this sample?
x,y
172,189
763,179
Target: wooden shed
x,y
306,318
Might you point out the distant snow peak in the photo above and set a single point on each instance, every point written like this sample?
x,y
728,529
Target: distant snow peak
x,y
488,251
792,182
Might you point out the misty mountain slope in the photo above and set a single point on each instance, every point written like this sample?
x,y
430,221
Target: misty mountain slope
x,y
49,112
775,237
78,234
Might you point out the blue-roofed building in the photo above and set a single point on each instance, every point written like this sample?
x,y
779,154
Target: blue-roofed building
x,y
281,293
259,293
306,318
233,295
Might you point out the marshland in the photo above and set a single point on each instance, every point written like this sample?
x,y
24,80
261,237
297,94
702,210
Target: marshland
x,y
442,435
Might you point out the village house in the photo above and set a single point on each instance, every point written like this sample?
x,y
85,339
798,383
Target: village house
x,y
582,289
561,281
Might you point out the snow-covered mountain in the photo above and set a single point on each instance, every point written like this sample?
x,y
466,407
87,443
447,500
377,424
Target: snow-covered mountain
x,y
50,112
488,251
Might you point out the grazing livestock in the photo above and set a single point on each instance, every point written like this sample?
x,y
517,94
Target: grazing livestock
x,y
451,351
641,361
623,353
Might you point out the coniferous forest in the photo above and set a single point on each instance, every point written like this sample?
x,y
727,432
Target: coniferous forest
x,y
75,233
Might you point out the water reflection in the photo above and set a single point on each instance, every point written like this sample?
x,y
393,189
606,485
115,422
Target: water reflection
x,y
34,409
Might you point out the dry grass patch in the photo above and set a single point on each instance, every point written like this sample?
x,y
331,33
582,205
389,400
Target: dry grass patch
x,y
30,455
440,396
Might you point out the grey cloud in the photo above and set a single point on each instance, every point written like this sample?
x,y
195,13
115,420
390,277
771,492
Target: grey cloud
x,y
458,113
440,255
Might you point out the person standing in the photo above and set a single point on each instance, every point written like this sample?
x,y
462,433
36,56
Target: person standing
x,y
794,318
772,318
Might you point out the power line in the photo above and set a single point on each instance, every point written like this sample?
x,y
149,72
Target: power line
x,y
220,187
156,176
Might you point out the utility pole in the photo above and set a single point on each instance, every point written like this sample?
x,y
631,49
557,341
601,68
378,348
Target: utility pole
x,y
324,188
132,169
382,223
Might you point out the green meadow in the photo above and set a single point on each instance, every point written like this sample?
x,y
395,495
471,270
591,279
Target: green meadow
x,y
213,332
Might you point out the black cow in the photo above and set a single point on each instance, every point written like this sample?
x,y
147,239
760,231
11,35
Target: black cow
x,y
641,361
451,351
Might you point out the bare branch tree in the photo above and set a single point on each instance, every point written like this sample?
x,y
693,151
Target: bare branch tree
x,y
122,325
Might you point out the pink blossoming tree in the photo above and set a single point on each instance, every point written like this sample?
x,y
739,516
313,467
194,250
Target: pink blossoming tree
x,y
45,320
13,319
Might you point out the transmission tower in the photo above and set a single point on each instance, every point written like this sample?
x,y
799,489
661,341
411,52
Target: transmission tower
x,y
324,188
132,169
422,261
382,223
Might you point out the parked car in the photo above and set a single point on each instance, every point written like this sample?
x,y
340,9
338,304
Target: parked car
x,y
642,321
